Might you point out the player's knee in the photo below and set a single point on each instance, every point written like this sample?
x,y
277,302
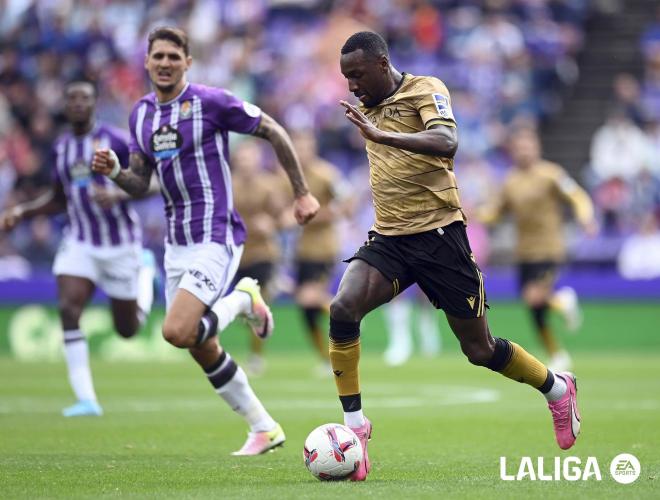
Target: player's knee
x,y
343,309
127,330
535,296
176,333
478,354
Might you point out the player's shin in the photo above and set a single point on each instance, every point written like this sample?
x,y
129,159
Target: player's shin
x,y
77,361
516,363
145,284
208,327
345,358
230,382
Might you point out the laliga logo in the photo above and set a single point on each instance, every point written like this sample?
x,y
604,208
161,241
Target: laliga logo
x,y
568,469
624,468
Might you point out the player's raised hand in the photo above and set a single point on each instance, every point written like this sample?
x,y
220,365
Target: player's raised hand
x,y
10,218
359,119
105,162
305,208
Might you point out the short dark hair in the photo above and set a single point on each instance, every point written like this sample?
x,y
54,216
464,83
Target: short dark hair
x,y
81,81
175,35
371,43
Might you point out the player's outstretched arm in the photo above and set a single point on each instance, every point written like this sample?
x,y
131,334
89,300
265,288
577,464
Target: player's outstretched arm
x,y
305,205
135,180
439,140
51,202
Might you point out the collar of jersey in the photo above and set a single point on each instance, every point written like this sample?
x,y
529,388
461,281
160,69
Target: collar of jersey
x,y
92,131
183,91
398,87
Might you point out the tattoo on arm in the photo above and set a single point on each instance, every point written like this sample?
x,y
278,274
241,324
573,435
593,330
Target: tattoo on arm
x,y
136,179
274,133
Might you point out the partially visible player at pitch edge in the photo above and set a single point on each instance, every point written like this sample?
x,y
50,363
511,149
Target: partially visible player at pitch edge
x,y
419,236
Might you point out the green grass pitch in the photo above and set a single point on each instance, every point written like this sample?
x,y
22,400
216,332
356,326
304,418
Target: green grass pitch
x,y
440,426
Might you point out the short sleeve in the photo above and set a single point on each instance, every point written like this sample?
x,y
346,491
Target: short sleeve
x,y
563,183
134,144
434,103
120,145
232,113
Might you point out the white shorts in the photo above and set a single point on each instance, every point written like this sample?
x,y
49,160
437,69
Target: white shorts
x,y
204,269
113,269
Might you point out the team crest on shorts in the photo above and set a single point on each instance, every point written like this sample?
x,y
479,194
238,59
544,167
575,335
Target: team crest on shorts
x,y
186,110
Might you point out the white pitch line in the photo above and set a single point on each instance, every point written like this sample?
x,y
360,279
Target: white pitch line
x,y
451,396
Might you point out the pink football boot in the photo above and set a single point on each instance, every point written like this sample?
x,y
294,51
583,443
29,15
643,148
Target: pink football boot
x,y
565,414
364,435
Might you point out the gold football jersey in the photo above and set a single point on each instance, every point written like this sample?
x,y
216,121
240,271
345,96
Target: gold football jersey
x,y
253,200
412,192
318,241
535,197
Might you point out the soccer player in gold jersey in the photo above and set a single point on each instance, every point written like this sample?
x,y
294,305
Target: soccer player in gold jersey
x,y
534,193
259,198
317,246
419,236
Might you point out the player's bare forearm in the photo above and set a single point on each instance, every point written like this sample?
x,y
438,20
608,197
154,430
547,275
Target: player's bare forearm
x,y
274,133
441,141
136,179
51,202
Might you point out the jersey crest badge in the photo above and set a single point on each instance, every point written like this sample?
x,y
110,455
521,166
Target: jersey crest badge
x,y
186,110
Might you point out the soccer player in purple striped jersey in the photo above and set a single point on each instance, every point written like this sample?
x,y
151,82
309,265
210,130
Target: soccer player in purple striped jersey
x,y
101,243
180,131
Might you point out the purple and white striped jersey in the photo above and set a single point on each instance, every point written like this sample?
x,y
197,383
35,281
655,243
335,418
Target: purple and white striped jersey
x,y
88,221
187,141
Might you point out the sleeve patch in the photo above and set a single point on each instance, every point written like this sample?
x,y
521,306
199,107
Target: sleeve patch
x,y
251,109
443,106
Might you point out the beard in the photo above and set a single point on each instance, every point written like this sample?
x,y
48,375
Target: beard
x,y
166,89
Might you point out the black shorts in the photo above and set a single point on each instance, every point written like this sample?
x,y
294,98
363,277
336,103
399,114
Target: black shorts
x,y
529,272
260,271
308,270
440,261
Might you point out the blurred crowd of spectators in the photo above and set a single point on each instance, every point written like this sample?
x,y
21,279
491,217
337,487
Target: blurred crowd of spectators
x,y
625,151
505,62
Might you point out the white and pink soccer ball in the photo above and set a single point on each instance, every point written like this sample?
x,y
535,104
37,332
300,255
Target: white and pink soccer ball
x,y
332,452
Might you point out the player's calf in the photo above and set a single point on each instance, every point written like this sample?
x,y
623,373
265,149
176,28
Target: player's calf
x,y
127,326
478,353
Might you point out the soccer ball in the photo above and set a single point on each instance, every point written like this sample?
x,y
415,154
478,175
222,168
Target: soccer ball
x,y
332,452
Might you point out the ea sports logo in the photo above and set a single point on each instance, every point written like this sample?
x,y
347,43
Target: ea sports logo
x,y
625,468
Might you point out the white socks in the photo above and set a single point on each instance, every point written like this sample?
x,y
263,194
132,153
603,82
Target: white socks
x,y
77,361
354,419
557,390
230,306
241,398
145,295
